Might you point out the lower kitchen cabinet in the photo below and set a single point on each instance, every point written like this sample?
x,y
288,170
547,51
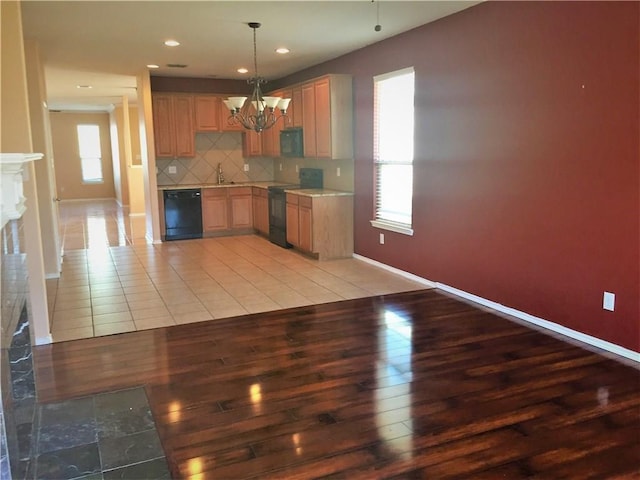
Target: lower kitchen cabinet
x,y
293,215
215,216
240,202
260,210
305,224
226,210
321,225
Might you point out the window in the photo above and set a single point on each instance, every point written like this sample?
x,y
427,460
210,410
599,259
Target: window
x,y
393,150
90,153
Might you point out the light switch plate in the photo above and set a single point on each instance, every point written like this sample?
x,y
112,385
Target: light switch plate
x,y
609,301
246,167
173,169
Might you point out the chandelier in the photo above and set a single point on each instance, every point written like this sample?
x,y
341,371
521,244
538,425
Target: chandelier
x,y
260,113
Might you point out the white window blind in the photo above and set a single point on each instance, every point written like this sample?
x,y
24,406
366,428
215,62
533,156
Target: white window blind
x,y
393,149
90,153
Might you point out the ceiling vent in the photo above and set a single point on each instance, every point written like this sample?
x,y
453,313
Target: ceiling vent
x,y
176,65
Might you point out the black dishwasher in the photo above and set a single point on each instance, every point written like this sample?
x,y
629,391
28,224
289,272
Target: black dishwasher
x,y
182,214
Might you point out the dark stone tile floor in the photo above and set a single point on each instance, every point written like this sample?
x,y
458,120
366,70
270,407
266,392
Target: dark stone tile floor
x,y
105,436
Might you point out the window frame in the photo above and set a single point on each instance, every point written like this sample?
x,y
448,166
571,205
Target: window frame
x,y
83,159
378,222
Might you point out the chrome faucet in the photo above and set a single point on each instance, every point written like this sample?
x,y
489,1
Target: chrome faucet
x,y
220,175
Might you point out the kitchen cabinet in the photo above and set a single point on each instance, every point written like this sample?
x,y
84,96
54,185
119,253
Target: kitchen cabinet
x,y
251,144
292,213
305,224
173,125
271,136
321,226
226,125
240,202
260,210
215,216
295,107
227,210
309,119
207,113
327,117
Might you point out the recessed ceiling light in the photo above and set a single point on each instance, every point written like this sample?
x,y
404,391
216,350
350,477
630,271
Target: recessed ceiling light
x,y
84,86
282,50
171,43
243,70
153,65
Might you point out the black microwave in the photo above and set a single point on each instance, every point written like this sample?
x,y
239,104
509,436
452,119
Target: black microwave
x,y
291,142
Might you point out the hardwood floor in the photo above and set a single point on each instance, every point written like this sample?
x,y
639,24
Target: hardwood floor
x,y
405,386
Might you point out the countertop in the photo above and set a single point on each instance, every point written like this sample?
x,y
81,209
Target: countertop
x,y
307,192
223,185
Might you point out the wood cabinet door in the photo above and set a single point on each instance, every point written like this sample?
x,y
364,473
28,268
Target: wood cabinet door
x,y
260,214
163,126
296,107
292,224
214,211
323,118
267,142
287,122
207,113
252,144
241,216
184,128
305,229
309,119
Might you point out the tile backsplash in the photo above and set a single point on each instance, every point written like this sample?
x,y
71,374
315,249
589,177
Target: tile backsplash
x,y
213,148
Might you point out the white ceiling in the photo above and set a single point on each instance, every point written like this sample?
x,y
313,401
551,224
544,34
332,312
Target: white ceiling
x,y
105,43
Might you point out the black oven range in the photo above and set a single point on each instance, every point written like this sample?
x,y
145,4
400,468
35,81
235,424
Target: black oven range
x,y
309,178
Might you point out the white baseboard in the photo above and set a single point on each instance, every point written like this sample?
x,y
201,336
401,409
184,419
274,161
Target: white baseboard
x,y
46,340
546,324
397,271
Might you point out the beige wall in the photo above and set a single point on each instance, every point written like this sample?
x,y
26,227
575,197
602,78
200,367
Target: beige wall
x,y
15,137
15,131
65,148
45,175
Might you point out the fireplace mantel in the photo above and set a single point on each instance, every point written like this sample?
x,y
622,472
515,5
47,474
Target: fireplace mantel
x,y
12,200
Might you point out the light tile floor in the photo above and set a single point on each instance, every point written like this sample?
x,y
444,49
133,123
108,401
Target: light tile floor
x,y
112,281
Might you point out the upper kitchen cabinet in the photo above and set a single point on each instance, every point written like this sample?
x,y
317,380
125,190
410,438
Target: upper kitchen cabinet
x,y
327,117
208,116
309,120
295,107
173,125
271,136
226,124
252,144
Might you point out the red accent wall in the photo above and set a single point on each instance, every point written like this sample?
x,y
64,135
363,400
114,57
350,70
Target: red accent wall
x,y
527,158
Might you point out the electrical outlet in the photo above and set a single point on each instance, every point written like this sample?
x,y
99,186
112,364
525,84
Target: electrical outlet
x,y
338,172
609,301
172,169
297,169
382,239
281,167
246,167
